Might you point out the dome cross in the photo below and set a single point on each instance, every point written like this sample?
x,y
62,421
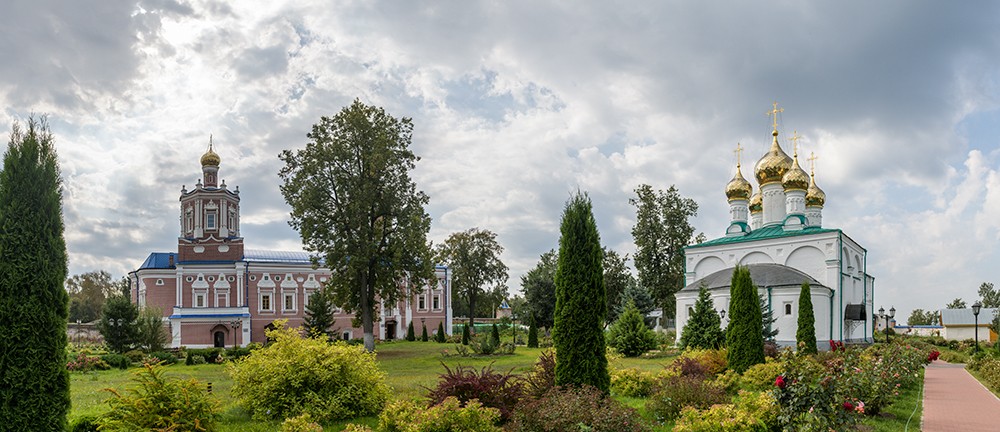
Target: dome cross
x,y
774,113
795,142
739,153
812,163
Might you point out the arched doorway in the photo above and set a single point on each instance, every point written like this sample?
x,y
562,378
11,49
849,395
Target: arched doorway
x,y
219,339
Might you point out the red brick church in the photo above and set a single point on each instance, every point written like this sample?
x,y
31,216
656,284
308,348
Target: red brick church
x,y
215,292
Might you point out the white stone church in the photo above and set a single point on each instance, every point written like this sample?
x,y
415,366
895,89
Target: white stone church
x,y
777,232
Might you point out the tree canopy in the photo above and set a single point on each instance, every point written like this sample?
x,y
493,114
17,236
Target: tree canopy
x,y
617,279
473,256
956,304
704,327
990,297
578,332
319,317
661,232
88,291
539,286
34,382
921,317
354,204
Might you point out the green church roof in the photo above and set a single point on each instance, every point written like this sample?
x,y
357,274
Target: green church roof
x,y
763,233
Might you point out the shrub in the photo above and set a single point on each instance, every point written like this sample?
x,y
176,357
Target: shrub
x,y
704,328
713,361
161,357
532,334
771,349
728,381
160,403
135,356
302,422
116,361
195,359
629,334
808,396
686,366
493,389
87,423
295,375
86,363
465,335
583,408
236,353
760,377
632,382
542,377
495,335
754,412
410,336
682,391
449,415
989,369
423,334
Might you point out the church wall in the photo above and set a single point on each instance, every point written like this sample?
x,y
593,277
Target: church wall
x,y
778,250
160,296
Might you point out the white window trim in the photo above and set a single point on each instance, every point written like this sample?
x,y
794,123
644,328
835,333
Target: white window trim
x,y
436,297
222,299
203,297
284,297
211,221
787,309
260,301
422,298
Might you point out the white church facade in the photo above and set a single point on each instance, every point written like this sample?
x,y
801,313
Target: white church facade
x,y
777,232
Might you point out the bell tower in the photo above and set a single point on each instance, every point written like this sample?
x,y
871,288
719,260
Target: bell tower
x,y
210,216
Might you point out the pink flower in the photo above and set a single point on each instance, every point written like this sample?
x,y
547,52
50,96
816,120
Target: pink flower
x,y
779,382
848,406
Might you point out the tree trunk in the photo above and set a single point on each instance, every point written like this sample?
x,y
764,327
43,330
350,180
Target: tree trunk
x,y
367,326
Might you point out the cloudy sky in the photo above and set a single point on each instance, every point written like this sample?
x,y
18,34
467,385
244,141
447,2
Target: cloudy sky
x,y
518,103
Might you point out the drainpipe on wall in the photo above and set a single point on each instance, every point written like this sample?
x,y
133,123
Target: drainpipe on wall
x,y
840,282
864,301
246,300
770,307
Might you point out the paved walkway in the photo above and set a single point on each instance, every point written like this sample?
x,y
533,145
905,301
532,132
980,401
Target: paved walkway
x,y
954,401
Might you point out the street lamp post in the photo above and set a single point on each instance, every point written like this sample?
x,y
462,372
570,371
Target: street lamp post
x,y
235,324
892,314
881,313
975,313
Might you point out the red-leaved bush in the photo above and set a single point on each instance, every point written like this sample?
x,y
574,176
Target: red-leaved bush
x,y
575,409
493,389
543,376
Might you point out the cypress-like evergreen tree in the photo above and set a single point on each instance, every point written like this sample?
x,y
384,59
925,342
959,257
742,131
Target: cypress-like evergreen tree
x,y
423,335
465,334
495,335
440,336
319,314
34,305
805,335
578,332
744,338
410,336
704,327
533,334
629,334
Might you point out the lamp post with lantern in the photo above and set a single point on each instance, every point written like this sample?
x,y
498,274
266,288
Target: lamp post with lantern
x,y
975,313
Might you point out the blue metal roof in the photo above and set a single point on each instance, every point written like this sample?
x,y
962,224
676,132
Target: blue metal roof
x,y
160,260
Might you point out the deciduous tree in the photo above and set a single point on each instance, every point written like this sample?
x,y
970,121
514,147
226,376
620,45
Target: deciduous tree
x,y
703,329
356,207
921,317
617,278
958,303
34,382
87,293
473,256
805,336
578,331
990,296
118,323
539,286
744,339
661,232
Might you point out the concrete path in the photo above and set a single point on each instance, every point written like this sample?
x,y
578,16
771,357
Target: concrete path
x,y
954,401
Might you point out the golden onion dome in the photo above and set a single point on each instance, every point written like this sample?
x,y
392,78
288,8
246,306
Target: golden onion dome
x,y
815,197
756,203
796,178
773,166
210,158
738,188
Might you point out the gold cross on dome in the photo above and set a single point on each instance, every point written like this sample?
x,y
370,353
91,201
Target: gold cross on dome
x,y
795,142
210,141
739,152
774,112
812,163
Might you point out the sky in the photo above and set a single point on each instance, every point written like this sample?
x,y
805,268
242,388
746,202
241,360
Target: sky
x,y
517,104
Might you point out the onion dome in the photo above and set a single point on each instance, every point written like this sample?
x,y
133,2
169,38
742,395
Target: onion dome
x,y
756,203
773,166
210,158
738,188
796,178
815,197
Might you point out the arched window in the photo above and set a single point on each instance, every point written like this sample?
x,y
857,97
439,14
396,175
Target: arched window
x,y
788,308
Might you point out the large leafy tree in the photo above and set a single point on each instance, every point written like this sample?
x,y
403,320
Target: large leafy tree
x,y
805,335
958,303
473,256
355,206
539,286
704,327
87,293
921,317
990,296
34,382
578,332
617,279
661,232
319,318
744,338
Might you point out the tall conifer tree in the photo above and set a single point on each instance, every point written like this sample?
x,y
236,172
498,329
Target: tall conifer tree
x,y
34,382
704,327
744,337
805,335
578,332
